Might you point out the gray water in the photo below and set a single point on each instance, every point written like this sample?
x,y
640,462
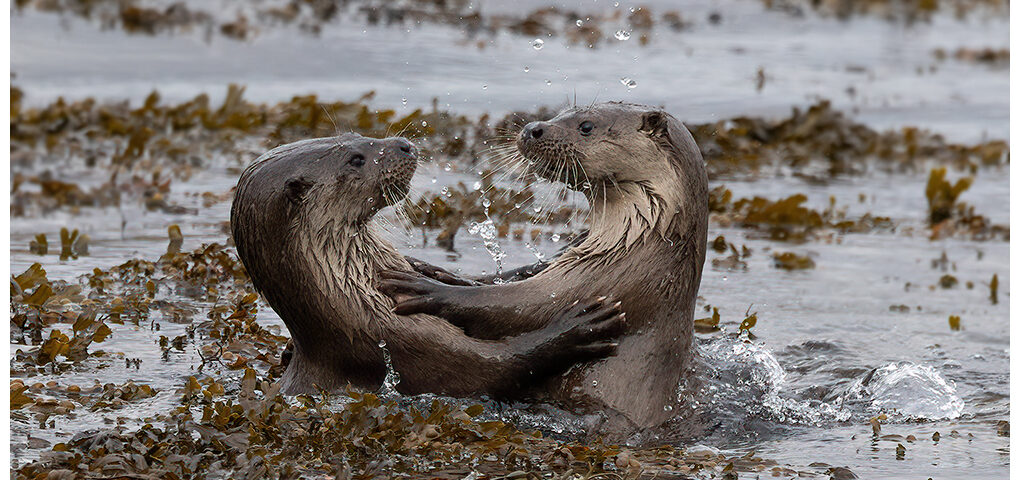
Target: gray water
x,y
828,353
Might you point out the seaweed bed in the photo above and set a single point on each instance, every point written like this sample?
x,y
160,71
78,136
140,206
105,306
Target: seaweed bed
x,y
237,425
582,28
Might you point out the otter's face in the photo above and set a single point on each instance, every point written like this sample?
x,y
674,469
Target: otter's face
x,y
605,143
349,177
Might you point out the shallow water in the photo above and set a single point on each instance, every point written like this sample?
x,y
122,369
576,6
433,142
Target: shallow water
x,y
828,352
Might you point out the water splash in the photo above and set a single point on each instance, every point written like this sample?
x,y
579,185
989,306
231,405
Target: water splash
x,y
487,231
392,378
906,391
742,379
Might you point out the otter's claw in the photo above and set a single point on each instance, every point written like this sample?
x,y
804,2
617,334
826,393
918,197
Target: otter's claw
x,y
438,273
411,293
584,332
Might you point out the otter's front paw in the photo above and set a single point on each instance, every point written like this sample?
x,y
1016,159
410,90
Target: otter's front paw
x,y
438,273
584,332
413,293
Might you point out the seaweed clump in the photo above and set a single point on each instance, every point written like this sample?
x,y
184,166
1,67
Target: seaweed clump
x,y
992,57
947,216
823,140
588,29
788,219
891,10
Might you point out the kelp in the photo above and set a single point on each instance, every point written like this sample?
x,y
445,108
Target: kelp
x,y
891,10
824,140
792,261
788,219
587,29
992,57
947,216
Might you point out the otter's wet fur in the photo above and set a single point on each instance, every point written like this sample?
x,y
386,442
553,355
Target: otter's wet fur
x,y
647,188
301,220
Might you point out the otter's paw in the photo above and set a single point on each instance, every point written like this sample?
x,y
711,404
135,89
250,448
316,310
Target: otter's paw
x,y
412,293
587,330
438,273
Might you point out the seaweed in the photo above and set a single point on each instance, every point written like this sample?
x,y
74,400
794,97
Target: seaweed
x,y
894,11
821,138
792,261
787,219
947,216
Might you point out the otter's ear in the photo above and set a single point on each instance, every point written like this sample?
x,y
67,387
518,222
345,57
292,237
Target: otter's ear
x,y
296,188
654,124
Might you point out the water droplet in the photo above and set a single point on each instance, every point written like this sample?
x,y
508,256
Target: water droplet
x,y
477,186
552,295
424,123
447,167
633,9
404,101
371,200
527,69
548,82
628,82
667,408
486,203
445,191
382,343
616,4
594,383
537,209
555,237
434,179
586,185
622,35
537,43
487,230
578,23
485,87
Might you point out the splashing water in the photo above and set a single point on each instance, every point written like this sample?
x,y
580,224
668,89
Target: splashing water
x,y
392,378
534,250
907,391
744,379
487,230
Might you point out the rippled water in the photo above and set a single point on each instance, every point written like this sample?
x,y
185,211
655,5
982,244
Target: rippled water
x,y
828,352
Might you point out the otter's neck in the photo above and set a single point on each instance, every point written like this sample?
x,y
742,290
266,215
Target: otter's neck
x,y
344,262
630,215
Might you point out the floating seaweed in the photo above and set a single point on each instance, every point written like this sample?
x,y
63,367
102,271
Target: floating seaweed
x,y
792,261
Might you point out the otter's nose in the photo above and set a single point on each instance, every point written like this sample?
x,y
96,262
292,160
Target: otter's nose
x,y
533,130
403,144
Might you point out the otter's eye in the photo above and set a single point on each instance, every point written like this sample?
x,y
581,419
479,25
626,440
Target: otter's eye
x,y
357,160
586,127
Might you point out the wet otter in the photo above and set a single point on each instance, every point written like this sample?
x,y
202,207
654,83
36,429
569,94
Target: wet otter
x,y
301,220
646,184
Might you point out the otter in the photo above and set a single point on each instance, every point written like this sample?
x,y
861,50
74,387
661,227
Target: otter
x,y
302,223
647,189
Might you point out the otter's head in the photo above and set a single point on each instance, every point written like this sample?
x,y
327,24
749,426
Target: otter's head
x,y
609,143
317,190
345,179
